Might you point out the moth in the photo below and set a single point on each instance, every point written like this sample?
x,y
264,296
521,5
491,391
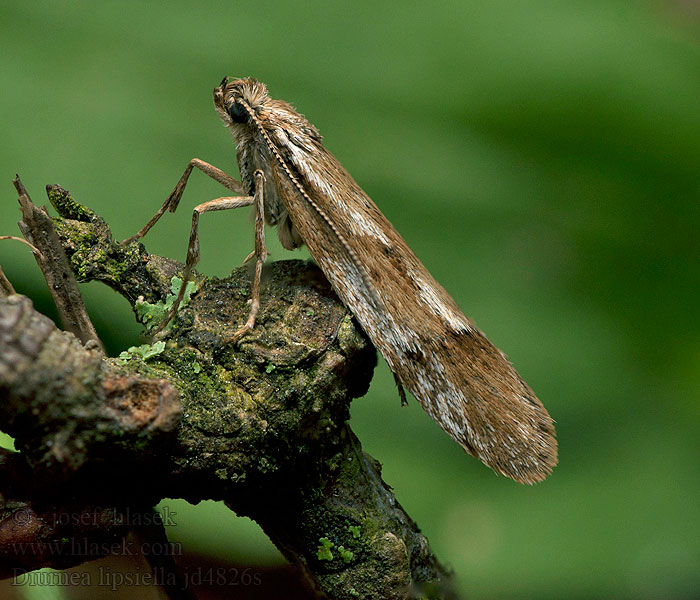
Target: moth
x,y
436,352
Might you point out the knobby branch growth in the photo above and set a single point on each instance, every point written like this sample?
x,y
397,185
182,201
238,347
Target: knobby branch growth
x,y
261,425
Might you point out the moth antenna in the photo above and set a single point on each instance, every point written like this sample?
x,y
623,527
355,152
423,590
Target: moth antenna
x,y
302,191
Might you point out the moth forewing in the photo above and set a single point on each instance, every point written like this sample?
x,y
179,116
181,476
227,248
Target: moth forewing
x,y
464,382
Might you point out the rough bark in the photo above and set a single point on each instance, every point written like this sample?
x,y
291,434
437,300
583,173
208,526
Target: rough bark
x,y
261,425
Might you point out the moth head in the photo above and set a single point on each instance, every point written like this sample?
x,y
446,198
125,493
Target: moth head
x,y
236,100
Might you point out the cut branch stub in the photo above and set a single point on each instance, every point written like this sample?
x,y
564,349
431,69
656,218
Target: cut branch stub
x,y
66,406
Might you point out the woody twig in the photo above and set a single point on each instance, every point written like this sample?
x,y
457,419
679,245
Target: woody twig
x,y
261,425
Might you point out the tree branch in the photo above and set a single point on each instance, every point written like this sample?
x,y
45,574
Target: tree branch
x,y
261,425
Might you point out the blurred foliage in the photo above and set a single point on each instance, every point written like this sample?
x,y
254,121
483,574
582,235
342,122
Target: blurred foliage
x,y
542,158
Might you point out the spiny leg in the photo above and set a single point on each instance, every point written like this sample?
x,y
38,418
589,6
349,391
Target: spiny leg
x,y
193,246
173,199
260,254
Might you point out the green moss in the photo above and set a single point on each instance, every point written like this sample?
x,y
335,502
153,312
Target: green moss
x,y
354,530
122,264
66,206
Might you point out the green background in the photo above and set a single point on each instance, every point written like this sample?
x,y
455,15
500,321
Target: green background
x,y
542,158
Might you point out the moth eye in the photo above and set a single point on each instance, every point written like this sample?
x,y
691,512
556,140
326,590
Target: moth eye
x,y
238,113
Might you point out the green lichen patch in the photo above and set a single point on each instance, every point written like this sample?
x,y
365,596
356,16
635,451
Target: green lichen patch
x,y
144,352
324,549
346,555
152,314
331,541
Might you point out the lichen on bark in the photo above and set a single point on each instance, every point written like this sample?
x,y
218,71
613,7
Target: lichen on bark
x,y
263,423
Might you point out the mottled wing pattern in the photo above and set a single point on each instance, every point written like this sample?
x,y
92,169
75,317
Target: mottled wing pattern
x,y
462,380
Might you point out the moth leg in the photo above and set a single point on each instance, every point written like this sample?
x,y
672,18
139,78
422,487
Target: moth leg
x,y
260,254
173,199
193,246
402,392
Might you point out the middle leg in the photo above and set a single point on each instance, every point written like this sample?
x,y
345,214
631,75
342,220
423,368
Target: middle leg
x,y
193,246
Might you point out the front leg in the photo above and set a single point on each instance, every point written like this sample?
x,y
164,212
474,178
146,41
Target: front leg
x,y
173,199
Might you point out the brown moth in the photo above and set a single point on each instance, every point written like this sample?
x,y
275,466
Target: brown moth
x,y
457,375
